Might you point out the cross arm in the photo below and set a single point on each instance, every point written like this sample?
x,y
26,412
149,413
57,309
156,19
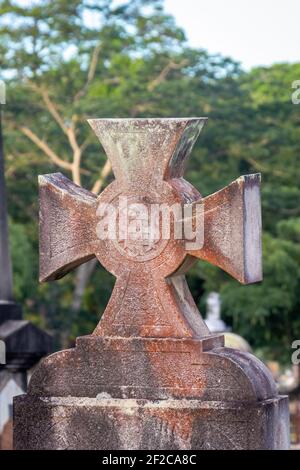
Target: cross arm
x,y
232,229
67,226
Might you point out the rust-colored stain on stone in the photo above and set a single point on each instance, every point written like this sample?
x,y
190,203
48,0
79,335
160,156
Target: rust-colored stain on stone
x,y
160,377
148,158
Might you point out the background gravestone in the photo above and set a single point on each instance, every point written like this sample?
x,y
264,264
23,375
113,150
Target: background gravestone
x,y
213,318
151,376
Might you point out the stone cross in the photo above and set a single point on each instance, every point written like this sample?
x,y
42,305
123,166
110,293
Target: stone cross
x,y
151,375
151,297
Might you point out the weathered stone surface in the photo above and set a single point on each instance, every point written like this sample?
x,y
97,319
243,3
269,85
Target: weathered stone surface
x,y
154,369
148,160
110,424
151,376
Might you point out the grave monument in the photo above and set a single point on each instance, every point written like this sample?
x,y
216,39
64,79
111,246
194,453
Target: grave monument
x,y
151,375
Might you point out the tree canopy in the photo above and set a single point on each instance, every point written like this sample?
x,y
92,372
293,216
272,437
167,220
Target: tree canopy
x,y
66,61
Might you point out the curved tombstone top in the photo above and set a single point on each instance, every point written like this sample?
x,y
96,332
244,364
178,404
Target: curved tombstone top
x,y
149,226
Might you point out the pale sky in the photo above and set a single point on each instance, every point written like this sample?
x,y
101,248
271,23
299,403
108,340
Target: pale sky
x,y
254,32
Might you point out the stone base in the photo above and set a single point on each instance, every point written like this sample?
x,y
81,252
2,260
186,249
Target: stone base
x,y
109,424
151,393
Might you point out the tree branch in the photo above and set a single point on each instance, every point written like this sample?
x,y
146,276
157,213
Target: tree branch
x,y
46,149
103,175
164,73
77,153
70,132
53,111
85,143
91,72
50,106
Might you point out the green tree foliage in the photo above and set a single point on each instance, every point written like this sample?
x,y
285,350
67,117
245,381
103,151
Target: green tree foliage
x,y
65,61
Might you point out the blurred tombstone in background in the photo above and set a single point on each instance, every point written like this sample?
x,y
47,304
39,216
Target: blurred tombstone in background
x,y
216,325
213,314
